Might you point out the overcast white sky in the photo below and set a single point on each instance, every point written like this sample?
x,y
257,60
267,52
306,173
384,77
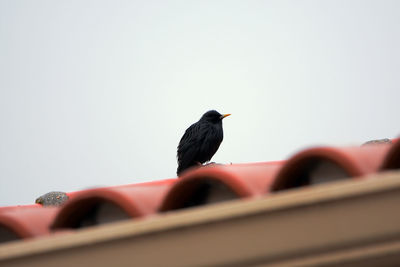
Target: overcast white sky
x,y
100,92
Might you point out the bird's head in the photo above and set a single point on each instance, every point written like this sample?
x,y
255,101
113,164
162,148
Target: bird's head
x,y
213,116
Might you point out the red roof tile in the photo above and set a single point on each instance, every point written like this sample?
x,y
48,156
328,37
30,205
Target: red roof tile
x,y
25,221
216,183
392,159
199,186
321,164
104,205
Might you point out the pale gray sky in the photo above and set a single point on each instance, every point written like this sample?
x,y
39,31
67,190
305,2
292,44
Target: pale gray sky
x,y
100,92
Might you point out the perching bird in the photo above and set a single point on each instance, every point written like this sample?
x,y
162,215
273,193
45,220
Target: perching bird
x,y
200,141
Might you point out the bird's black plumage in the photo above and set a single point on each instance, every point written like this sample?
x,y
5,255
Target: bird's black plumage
x,y
200,141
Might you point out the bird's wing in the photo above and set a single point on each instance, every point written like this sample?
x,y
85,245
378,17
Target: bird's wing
x,y
188,146
212,139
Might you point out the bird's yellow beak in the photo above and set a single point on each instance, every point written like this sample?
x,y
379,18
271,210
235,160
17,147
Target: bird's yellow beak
x,y
224,116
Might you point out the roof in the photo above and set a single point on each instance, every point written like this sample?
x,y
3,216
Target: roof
x,y
233,184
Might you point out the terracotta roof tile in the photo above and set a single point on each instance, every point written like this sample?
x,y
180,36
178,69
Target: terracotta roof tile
x,y
216,183
392,158
324,164
25,221
199,186
105,205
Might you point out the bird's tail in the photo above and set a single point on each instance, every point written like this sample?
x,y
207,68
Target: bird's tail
x,y
180,170
183,167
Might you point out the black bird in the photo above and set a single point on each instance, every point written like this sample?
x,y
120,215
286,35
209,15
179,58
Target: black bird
x,y
200,141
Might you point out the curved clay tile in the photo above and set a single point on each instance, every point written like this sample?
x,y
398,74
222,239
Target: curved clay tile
x,y
25,221
217,183
392,159
104,205
326,164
